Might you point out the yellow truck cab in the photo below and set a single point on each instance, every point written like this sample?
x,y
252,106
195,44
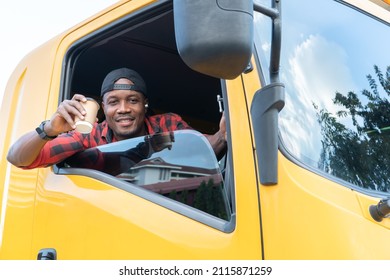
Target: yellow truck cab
x,y
304,88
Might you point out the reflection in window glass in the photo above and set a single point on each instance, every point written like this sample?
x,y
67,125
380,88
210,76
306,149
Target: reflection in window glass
x,y
334,65
180,165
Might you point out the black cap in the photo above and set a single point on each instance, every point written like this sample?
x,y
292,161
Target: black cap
x,y
113,76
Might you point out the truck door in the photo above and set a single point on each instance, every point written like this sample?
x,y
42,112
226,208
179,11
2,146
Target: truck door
x,y
333,158
83,213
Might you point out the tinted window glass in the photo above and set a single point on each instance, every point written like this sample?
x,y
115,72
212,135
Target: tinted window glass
x,y
334,64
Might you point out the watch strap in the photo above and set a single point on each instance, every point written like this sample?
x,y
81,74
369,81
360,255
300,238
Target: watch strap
x,y
41,131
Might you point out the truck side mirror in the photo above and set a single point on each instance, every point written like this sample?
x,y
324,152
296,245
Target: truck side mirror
x,y
214,37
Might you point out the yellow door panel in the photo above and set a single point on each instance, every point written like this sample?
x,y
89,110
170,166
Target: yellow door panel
x,y
17,215
84,218
310,217
330,159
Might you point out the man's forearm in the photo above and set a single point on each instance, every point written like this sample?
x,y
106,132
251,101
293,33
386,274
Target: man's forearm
x,y
26,149
218,143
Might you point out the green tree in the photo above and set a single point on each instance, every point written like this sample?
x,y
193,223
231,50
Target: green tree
x,y
209,198
359,155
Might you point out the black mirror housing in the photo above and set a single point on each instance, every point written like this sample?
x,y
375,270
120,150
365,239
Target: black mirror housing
x,y
214,37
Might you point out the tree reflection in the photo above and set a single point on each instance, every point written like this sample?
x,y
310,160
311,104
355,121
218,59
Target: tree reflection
x,y
359,153
208,197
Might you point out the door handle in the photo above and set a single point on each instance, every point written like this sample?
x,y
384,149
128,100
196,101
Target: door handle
x,y
47,254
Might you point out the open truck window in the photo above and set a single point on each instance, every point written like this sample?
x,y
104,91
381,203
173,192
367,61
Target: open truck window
x,y
145,41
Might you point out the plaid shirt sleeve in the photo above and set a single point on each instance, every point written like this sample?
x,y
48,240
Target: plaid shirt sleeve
x,y
57,150
64,146
165,122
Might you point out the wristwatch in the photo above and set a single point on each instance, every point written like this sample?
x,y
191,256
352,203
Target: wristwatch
x,y
41,131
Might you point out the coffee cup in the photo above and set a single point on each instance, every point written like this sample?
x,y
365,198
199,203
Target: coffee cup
x,y
91,107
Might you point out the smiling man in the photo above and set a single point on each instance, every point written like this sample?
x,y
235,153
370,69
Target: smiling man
x,y
125,106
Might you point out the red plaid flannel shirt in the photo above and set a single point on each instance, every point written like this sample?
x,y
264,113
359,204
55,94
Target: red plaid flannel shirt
x,y
67,144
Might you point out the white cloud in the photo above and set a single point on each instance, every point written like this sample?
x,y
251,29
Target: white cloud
x,y
27,24
317,68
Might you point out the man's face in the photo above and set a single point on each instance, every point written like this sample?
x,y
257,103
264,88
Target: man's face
x,y
125,111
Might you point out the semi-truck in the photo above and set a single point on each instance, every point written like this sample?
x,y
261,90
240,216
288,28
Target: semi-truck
x,y
303,86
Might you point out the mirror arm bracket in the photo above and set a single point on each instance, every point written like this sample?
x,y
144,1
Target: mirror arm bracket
x,y
276,44
275,14
265,108
268,102
270,12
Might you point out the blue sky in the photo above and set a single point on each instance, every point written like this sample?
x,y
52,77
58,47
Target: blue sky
x,y
26,24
